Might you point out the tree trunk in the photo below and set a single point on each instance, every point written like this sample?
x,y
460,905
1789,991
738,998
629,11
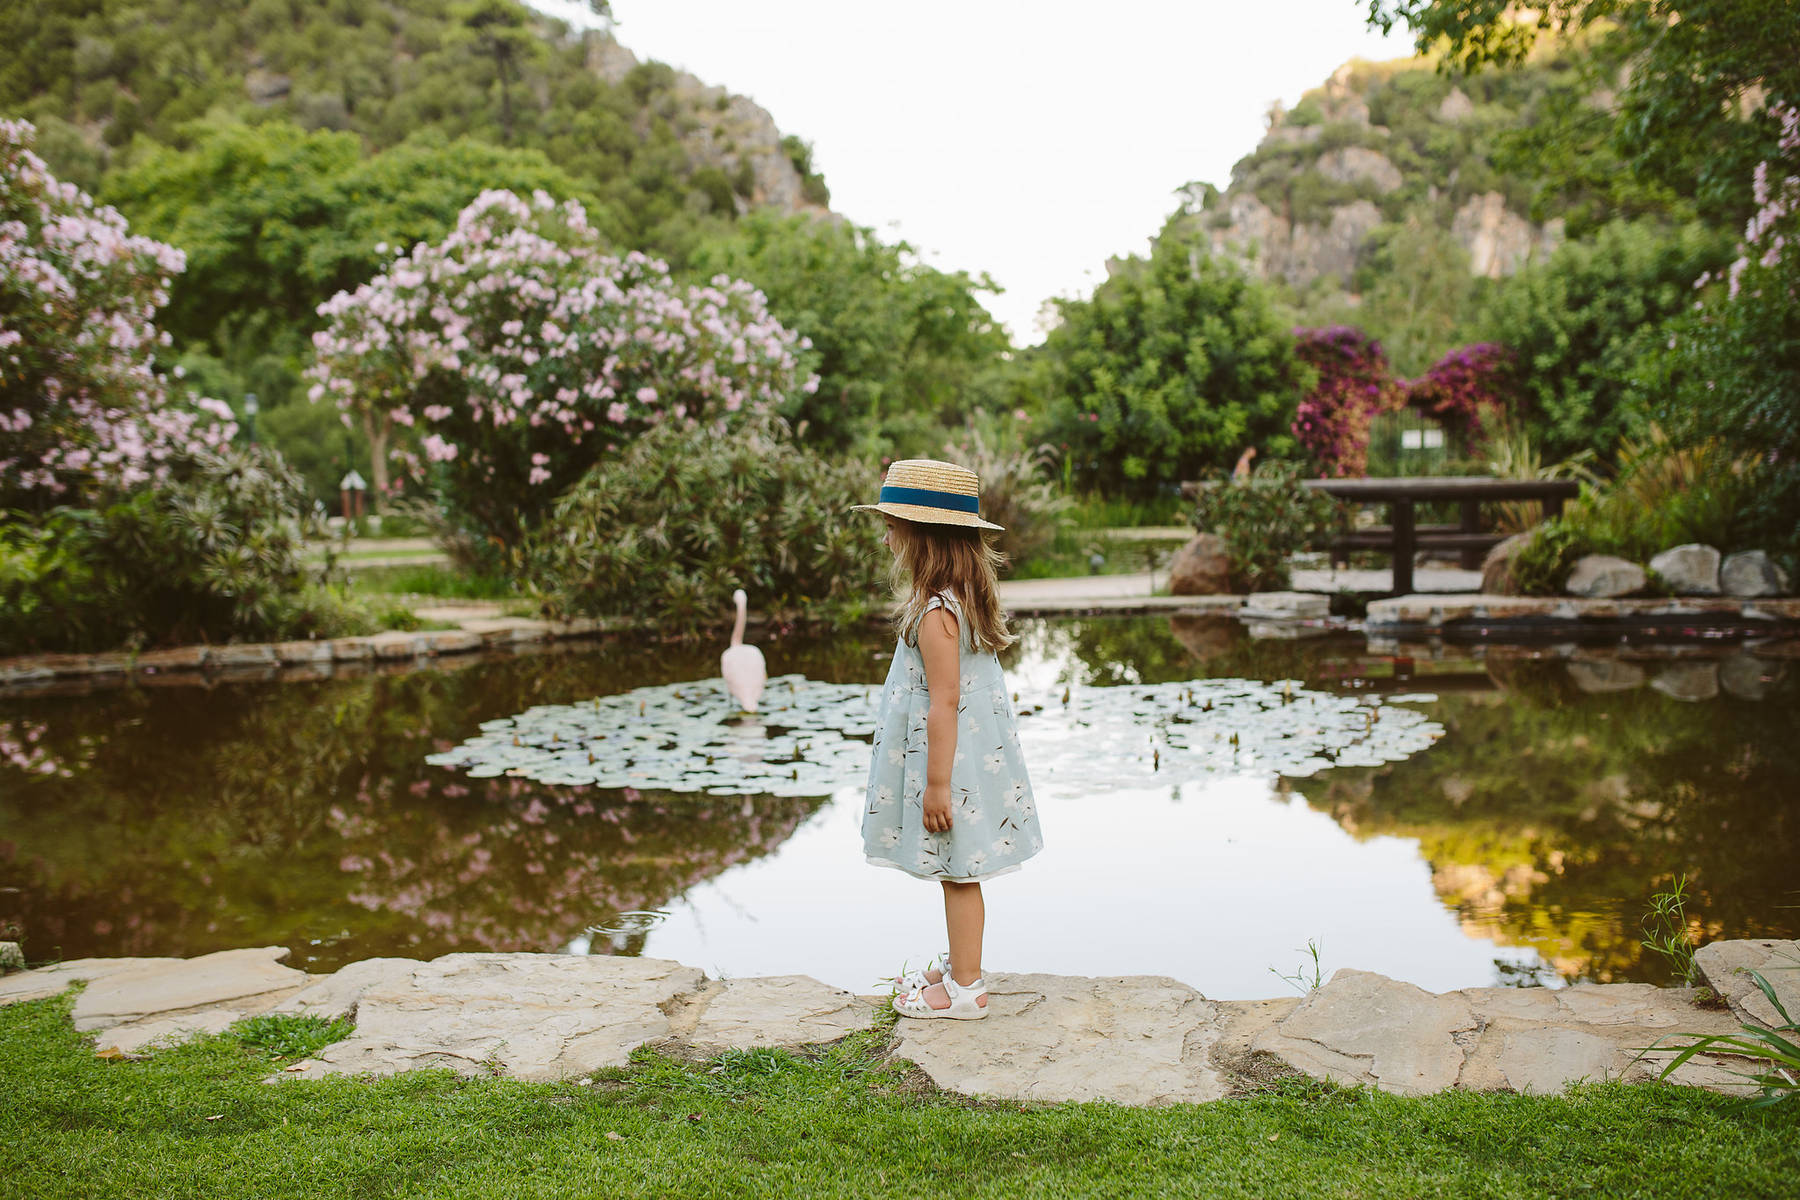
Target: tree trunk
x,y
377,432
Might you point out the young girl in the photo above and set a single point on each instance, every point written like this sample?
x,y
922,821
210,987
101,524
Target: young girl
x,y
948,798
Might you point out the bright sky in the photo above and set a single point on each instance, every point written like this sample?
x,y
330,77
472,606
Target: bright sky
x,y
1030,141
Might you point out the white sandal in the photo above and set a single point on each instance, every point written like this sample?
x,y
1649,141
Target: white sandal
x,y
965,1002
916,981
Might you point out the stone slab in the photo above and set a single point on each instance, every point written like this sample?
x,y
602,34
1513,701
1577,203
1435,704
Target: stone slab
x,y
501,631
1293,606
136,1037
296,653
1364,1028
452,641
174,985
336,996
1725,966
351,649
1138,1039
397,644
239,657
778,1010
1435,611
55,979
529,1016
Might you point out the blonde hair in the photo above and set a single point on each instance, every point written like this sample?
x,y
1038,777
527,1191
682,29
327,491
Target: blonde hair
x,y
934,560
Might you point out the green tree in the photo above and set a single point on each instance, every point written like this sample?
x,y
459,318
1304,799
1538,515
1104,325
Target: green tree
x,y
899,346
1176,364
1580,322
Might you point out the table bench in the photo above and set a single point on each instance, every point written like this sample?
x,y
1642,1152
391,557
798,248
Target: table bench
x,y
1402,538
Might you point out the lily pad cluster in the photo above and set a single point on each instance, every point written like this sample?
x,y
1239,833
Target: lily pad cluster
x,y
812,737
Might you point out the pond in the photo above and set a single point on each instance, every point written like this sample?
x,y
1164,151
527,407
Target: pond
x,y
1493,816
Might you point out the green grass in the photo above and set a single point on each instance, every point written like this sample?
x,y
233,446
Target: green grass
x,y
1092,511
433,580
1071,551
197,1121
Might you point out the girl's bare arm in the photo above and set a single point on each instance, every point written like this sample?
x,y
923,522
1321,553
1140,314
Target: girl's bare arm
x,y
938,646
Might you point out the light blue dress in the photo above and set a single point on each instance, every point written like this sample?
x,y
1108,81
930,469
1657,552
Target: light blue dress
x,y
994,823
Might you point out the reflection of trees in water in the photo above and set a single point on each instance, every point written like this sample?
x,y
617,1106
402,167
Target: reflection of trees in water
x,y
304,814
1550,816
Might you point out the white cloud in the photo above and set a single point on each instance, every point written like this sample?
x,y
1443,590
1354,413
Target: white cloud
x,y
1029,141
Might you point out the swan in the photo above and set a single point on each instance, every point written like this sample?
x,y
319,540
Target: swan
x,y
741,665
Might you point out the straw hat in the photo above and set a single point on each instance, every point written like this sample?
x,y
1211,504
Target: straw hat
x,y
932,493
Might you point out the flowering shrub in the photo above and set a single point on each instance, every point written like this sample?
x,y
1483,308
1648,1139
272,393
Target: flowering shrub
x,y
82,406
1264,520
505,361
1353,386
1465,391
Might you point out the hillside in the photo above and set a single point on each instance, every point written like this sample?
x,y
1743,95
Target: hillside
x,y
660,149
1394,195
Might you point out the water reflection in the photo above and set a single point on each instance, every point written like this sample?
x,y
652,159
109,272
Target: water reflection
x,y
1522,846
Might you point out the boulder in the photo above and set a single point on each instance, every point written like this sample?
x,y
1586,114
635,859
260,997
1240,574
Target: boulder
x,y
11,957
1601,575
1751,573
1200,568
1690,570
1496,568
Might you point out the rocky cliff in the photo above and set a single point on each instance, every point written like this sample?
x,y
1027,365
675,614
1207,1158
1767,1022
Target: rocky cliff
x,y
1379,144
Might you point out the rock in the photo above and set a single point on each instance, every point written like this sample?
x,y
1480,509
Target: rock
x,y
1200,568
11,957
778,1010
1358,164
1455,106
266,87
529,1016
1688,679
1725,967
1138,1039
336,996
180,658
139,1036
1603,576
1748,677
1599,675
172,985
1366,1028
53,980
1752,573
1690,570
1292,606
298,653
453,641
237,657
397,645
1496,568
1498,240
1362,1028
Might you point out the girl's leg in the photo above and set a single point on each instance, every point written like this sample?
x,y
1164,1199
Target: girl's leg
x,y
965,916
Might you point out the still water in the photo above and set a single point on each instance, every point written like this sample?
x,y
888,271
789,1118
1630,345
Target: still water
x,y
1507,820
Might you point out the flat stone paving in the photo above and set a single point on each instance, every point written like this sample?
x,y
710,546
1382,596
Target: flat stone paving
x,y
1138,1040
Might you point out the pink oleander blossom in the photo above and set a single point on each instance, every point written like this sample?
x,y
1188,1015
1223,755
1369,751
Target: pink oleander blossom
x,y
516,336
85,407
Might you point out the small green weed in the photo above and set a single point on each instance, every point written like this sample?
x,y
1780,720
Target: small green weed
x,y
1666,932
285,1035
1307,977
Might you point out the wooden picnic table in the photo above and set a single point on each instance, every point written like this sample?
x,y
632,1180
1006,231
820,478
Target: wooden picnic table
x,y
1402,537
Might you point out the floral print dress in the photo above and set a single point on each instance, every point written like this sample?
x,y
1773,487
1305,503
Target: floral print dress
x,y
994,824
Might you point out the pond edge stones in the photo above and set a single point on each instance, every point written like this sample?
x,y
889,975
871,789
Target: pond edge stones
x,y
1141,1040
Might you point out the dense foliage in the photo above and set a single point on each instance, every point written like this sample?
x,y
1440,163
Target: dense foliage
x,y
668,527
900,347
1176,364
84,407
212,553
1264,519
509,358
1581,321
1468,392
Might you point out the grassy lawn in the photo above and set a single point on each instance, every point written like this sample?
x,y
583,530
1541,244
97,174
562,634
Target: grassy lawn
x,y
431,581
198,1121
1072,551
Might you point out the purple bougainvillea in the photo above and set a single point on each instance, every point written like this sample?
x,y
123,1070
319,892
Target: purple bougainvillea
x,y
1465,391
1353,386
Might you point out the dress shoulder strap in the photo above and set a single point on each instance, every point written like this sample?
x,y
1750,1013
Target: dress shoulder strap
x,y
950,604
